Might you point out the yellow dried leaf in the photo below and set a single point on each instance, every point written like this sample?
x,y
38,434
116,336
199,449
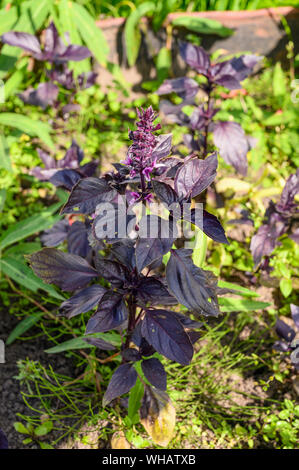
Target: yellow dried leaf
x,y
233,183
157,414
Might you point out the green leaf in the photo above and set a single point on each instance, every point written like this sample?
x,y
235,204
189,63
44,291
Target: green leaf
x,y
22,327
79,343
90,32
239,289
279,81
286,287
163,64
241,305
2,198
28,126
13,83
202,25
4,154
22,249
44,445
19,427
135,397
132,33
43,429
30,226
18,271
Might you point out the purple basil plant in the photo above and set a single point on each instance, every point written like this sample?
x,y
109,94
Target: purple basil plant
x,y
288,343
55,52
3,440
279,219
122,275
228,136
66,172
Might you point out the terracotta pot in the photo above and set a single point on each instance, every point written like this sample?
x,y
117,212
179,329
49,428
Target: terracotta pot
x,y
258,31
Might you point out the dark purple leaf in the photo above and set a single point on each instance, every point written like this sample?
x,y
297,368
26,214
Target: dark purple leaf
x,y
112,313
185,87
163,146
56,51
286,205
232,142
229,82
156,238
86,80
195,57
191,142
165,193
263,242
100,343
89,168
174,112
113,271
131,355
208,223
295,354
166,334
151,290
87,194
123,379
187,322
83,301
295,314
69,272
77,239
281,346
44,95
26,41
154,372
56,235
191,285
295,236
194,336
195,175
3,440
124,252
73,157
65,179
284,331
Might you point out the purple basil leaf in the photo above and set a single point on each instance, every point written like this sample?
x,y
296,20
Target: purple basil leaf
x,y
187,322
166,334
113,271
156,236
48,161
174,112
73,157
124,252
83,301
154,372
131,355
151,290
190,284
165,193
123,379
286,203
197,119
295,314
233,146
185,87
263,242
74,53
208,223
229,82
56,235
295,354
112,313
191,142
44,95
65,179
195,175
26,41
194,336
195,57
86,80
87,194
3,440
100,343
163,146
89,168
284,331
69,272
77,239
